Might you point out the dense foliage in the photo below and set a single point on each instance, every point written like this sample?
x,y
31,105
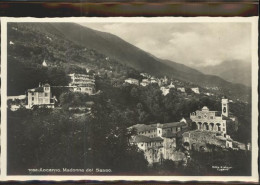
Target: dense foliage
x,y
57,139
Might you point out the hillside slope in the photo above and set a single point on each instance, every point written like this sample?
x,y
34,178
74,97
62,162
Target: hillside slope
x,y
231,71
131,56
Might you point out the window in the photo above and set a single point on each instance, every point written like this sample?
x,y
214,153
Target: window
x,y
45,94
199,117
211,117
32,93
159,131
32,98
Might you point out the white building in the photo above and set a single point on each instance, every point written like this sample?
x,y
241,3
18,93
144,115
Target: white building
x,y
81,79
132,81
165,90
145,82
154,80
44,63
40,96
145,75
171,85
182,89
212,120
158,141
82,83
196,90
209,94
88,89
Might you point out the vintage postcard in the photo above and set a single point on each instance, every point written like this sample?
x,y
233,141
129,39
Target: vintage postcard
x,y
129,99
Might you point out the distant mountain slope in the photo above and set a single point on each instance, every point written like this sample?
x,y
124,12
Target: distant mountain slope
x,y
181,67
129,55
231,71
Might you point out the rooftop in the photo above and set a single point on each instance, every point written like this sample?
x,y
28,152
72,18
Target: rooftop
x,y
145,139
141,139
39,89
172,124
131,79
143,127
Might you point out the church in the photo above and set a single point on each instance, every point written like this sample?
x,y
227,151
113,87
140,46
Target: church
x,y
211,129
215,121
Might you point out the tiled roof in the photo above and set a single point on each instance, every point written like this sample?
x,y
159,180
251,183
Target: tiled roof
x,y
141,139
173,124
156,139
38,89
143,127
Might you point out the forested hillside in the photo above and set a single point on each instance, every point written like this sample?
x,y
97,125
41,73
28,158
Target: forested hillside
x,y
69,37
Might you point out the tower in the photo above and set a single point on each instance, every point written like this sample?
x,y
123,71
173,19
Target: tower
x,y
225,108
44,64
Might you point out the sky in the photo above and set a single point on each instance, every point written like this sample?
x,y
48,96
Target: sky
x,y
192,44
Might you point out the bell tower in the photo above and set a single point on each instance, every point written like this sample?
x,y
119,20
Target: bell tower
x,y
225,107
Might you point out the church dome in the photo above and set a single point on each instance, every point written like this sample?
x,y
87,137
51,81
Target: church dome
x,y
205,108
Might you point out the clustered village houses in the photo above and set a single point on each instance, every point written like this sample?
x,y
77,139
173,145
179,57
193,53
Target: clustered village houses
x,y
158,141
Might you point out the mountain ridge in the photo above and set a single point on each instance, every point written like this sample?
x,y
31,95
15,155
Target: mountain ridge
x,y
234,73
132,56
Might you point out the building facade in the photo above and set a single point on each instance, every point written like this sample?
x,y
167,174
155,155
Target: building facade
x,y
81,79
211,130
196,90
145,82
132,81
82,83
182,89
208,120
40,96
158,141
165,90
88,89
212,120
